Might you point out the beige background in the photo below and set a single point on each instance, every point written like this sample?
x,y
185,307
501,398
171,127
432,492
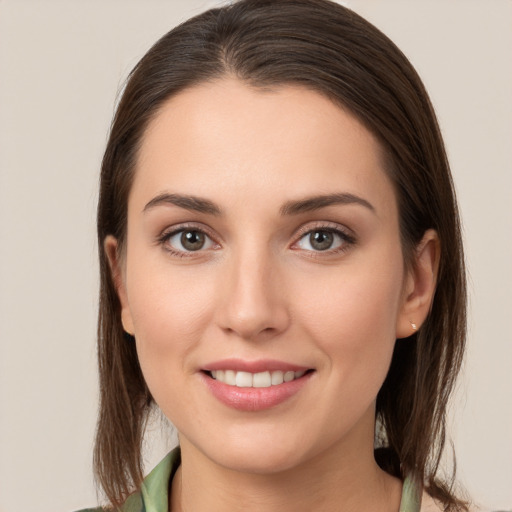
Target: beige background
x,y
61,63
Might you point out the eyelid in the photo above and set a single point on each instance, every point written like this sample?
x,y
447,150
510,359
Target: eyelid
x,y
348,236
346,233
170,231
325,226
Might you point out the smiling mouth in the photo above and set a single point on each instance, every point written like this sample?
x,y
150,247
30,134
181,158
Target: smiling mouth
x,y
255,380
269,384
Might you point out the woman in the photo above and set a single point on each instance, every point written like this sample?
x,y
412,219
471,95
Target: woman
x,y
281,269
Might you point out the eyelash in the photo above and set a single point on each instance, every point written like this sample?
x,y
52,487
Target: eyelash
x,y
164,238
347,239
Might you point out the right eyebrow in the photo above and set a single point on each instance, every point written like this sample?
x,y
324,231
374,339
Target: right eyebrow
x,y
193,203
323,201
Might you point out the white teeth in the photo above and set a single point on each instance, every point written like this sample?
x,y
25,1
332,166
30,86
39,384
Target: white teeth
x,y
277,378
289,376
244,379
230,377
255,380
261,380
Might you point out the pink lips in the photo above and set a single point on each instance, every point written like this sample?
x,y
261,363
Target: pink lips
x,y
249,398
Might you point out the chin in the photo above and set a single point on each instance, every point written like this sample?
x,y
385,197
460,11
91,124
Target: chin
x,y
263,460
254,452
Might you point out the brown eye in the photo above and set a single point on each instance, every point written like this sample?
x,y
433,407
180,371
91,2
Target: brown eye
x,y
321,240
187,240
192,240
324,239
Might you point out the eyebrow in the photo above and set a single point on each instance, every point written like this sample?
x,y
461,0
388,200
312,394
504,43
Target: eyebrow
x,y
202,205
193,203
322,201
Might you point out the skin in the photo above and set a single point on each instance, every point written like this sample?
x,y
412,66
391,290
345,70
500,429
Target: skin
x,y
258,289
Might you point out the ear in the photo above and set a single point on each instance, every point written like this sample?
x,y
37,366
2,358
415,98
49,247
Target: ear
x,y
111,247
419,285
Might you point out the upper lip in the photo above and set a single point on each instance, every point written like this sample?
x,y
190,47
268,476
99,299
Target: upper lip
x,y
257,366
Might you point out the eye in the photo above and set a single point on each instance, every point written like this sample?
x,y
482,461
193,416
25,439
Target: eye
x,y
188,240
323,240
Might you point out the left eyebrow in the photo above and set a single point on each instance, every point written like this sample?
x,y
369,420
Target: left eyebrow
x,y
193,203
309,204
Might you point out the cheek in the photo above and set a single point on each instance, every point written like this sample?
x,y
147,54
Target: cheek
x,y
170,311
352,298
170,315
352,316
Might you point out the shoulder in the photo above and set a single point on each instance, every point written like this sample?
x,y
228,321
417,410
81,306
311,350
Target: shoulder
x,y
153,493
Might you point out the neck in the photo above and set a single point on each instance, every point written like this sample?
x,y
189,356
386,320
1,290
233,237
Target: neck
x,y
335,480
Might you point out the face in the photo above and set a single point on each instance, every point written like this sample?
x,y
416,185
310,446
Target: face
x,y
263,276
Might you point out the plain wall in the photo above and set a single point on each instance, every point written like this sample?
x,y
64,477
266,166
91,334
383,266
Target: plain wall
x,y
61,65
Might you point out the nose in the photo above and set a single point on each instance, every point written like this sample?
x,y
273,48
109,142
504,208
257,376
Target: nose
x,y
253,303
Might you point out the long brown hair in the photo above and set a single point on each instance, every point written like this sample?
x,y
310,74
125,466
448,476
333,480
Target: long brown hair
x,y
329,49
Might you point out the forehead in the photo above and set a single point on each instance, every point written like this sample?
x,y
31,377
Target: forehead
x,y
289,139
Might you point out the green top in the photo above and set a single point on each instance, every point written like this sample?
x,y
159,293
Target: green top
x,y
154,493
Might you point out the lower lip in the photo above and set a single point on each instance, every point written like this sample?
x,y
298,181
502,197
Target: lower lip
x,y
254,399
